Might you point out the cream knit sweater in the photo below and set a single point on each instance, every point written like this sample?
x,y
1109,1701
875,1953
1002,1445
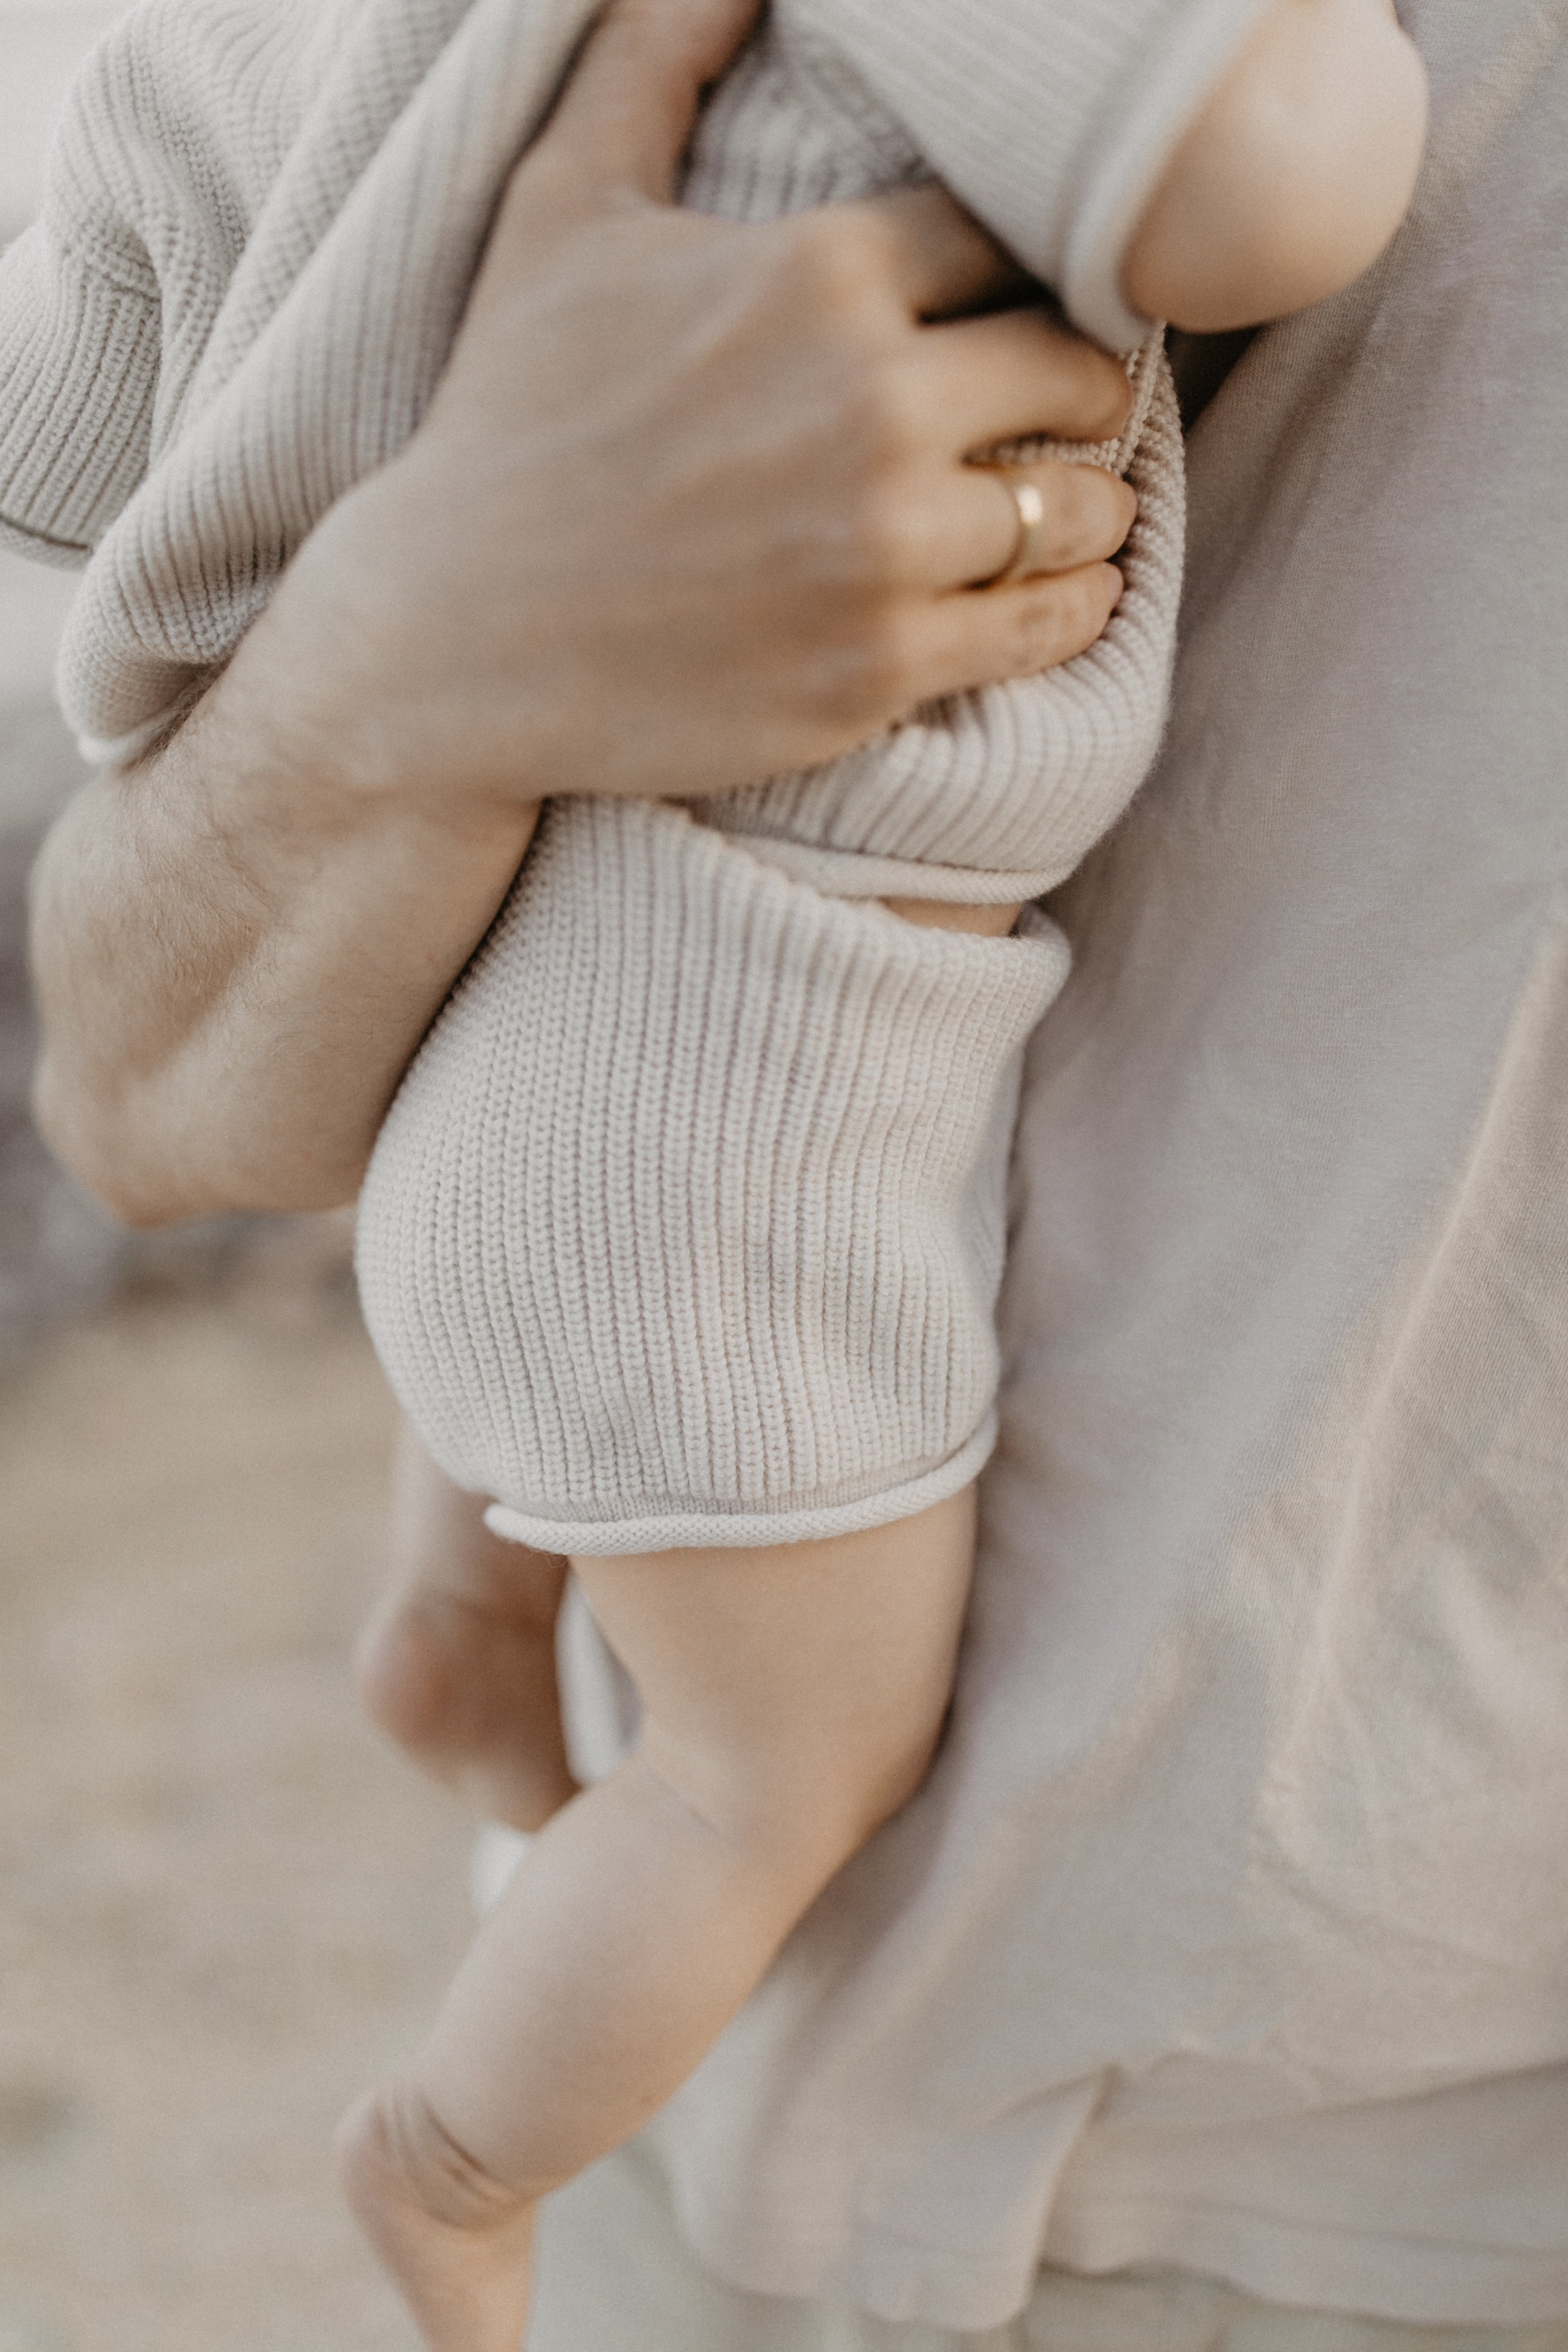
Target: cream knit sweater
x,y
687,1221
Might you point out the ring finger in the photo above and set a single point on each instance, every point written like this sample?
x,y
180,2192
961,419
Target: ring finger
x,y
989,521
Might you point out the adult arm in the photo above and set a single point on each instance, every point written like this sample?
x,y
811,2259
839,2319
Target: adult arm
x,y
689,507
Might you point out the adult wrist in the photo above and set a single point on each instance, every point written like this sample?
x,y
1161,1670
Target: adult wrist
x,y
337,683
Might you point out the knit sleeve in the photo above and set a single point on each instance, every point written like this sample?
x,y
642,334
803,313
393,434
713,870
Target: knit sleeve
x,y
78,372
1051,120
168,146
81,316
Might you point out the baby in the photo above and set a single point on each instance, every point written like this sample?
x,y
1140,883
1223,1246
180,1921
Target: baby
x,y
683,1236
792,1683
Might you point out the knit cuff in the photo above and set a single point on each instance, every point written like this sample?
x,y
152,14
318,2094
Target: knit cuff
x,y
332,334
73,446
994,797
1053,123
686,1225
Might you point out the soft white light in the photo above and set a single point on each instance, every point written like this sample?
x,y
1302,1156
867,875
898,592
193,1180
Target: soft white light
x,y
42,45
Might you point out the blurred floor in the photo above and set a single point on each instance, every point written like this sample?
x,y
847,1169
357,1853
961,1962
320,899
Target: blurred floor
x,y
224,1908
60,1254
42,44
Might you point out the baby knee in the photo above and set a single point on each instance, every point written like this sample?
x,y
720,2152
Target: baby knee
x,y
405,1674
801,1815
892,1770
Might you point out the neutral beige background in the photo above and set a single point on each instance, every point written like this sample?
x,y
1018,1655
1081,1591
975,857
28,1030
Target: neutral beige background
x,y
41,43
223,1909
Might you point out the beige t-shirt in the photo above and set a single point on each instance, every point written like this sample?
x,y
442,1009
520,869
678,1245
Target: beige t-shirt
x,y
1231,1929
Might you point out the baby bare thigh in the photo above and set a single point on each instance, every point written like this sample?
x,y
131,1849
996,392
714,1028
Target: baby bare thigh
x,y
797,1688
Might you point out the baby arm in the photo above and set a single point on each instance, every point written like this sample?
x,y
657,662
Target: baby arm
x,y
1293,176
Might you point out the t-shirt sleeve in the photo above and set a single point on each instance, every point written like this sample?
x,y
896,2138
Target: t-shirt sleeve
x,y
1051,120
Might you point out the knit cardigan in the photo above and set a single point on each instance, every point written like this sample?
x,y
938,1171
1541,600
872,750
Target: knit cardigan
x,y
687,1223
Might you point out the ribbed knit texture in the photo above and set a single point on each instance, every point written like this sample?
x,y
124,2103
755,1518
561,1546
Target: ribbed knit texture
x,y
996,795
263,216
687,1221
686,1225
1083,104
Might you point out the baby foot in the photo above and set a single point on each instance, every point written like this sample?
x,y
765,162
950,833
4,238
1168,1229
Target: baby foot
x,y
457,2245
468,1689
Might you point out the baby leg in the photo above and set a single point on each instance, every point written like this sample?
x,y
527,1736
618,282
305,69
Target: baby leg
x,y
791,1700
458,1665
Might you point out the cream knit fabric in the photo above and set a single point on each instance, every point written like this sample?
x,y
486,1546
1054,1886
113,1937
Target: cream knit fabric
x,y
687,1222
996,795
261,229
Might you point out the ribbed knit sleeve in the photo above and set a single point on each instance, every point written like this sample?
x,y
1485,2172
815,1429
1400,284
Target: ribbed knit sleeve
x,y
306,359
1052,118
79,370
170,139
686,1225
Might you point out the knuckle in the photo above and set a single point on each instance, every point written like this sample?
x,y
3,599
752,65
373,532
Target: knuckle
x,y
1126,510
1083,518
889,418
1109,394
1094,514
1030,640
1095,387
893,532
895,664
869,678
833,259
1058,621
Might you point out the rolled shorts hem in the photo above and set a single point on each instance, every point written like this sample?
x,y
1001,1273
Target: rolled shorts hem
x,y
747,1531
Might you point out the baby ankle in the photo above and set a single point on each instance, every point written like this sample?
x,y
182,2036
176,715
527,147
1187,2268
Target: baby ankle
x,y
392,2148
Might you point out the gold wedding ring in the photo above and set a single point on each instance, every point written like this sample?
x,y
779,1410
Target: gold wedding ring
x,y
1024,562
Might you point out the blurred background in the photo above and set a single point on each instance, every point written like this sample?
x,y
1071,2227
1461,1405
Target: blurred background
x,y
224,1908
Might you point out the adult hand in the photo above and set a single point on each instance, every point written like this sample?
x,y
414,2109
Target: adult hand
x,y
689,507
691,501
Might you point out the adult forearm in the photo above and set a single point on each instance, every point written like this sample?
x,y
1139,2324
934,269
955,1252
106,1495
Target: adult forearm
x,y
238,951
690,507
